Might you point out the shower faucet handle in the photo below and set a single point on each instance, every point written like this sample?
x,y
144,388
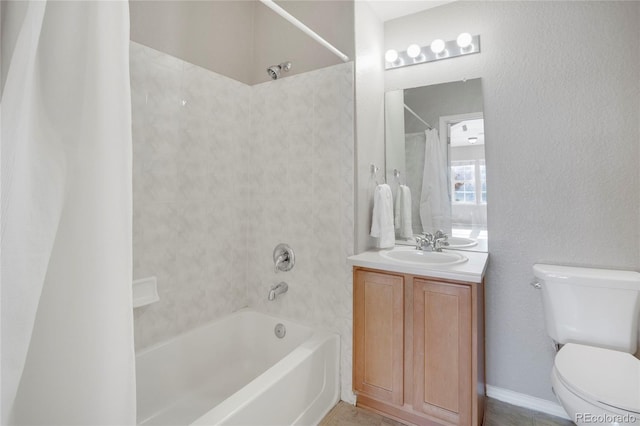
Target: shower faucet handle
x,y
283,258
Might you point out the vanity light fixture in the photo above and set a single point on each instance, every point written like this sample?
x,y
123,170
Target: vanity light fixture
x,y
472,140
413,51
438,49
437,46
391,56
464,40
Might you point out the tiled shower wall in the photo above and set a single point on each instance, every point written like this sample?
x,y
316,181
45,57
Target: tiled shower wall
x,y
223,172
301,169
189,192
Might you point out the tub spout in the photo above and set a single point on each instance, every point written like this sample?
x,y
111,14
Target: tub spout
x,y
277,289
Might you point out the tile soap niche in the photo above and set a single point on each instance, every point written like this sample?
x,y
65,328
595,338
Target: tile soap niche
x,y
145,291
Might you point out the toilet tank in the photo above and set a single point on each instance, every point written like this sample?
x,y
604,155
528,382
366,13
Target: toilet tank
x,y
597,307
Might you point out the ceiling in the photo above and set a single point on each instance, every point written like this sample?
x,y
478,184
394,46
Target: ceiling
x,y
391,9
462,132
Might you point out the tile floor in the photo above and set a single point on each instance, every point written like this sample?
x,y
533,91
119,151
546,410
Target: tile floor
x,y
497,414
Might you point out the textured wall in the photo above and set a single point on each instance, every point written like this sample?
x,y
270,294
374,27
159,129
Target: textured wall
x,y
561,88
190,192
301,166
369,85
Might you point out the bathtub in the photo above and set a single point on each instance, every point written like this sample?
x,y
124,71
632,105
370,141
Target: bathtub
x,y
235,371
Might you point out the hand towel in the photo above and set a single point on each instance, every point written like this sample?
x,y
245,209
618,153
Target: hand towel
x,y
382,218
403,212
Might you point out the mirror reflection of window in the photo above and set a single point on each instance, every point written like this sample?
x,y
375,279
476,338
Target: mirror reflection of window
x,y
463,179
464,175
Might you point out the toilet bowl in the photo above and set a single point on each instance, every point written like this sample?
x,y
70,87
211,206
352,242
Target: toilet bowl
x,y
594,314
597,386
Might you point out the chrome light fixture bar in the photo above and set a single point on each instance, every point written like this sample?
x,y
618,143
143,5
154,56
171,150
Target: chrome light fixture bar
x,y
465,44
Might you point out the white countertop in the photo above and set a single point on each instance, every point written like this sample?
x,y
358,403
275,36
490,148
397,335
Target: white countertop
x,y
471,271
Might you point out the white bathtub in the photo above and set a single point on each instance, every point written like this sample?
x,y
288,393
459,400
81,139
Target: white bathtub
x,y
235,371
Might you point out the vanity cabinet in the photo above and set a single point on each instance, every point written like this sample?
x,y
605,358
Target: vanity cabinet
x,y
418,353
378,331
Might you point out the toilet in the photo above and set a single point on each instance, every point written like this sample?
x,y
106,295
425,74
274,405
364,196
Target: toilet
x,y
592,315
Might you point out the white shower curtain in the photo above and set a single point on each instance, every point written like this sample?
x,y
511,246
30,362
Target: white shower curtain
x,y
67,322
435,202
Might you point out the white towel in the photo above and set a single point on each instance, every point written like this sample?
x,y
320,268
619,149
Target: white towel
x,y
382,219
403,212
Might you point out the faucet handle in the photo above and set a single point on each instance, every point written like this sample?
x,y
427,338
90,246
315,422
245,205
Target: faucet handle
x,y
283,258
438,243
441,234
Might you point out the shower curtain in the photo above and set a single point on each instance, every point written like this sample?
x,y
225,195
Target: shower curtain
x,y
435,201
67,324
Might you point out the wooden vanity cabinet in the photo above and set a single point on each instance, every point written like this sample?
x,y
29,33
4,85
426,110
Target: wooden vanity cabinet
x,y
418,353
378,332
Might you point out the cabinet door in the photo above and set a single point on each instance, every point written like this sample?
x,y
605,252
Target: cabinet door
x,y
378,332
442,350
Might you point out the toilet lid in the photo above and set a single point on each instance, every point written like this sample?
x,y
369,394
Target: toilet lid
x,y
603,375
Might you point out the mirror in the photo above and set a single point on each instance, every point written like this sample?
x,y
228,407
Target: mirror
x,y
435,162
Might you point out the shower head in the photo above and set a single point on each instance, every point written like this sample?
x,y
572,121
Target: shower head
x,y
274,70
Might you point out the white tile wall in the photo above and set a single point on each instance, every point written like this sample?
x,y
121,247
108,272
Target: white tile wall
x,y
190,192
301,169
223,172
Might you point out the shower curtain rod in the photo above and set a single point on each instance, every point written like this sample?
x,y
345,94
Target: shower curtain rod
x,y
418,117
289,17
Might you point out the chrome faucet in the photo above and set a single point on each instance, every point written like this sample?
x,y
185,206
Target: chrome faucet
x,y
440,234
277,289
423,243
283,258
432,242
280,260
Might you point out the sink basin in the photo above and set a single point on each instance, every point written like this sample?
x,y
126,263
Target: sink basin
x,y
461,242
431,258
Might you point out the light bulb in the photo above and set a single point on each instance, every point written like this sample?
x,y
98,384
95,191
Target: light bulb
x,y
391,56
437,46
413,51
464,40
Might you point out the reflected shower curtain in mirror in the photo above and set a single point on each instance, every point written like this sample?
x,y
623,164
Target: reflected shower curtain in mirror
x,y
435,201
67,321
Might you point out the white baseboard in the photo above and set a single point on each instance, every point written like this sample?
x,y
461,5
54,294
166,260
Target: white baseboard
x,y
527,401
